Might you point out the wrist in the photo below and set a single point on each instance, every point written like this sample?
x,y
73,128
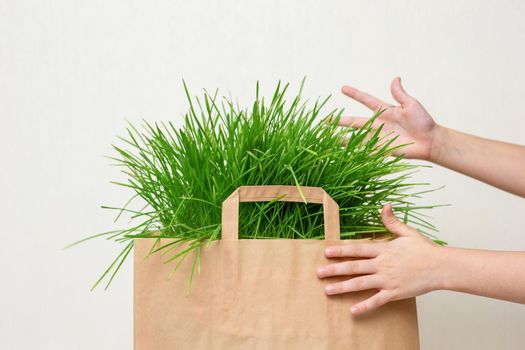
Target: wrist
x,y
441,278
438,143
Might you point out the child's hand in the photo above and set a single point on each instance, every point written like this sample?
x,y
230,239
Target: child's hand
x,y
402,268
409,120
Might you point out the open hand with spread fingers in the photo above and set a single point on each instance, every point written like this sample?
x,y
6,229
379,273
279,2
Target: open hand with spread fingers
x,y
404,267
409,121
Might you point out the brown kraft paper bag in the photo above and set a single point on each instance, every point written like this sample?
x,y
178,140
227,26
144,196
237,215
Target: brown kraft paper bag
x,y
260,293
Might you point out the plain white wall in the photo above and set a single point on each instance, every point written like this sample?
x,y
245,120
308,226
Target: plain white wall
x,y
71,72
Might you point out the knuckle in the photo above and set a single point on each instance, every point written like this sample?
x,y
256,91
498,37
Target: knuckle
x,y
337,288
358,283
365,306
391,296
389,282
378,301
343,268
385,260
380,280
353,267
383,299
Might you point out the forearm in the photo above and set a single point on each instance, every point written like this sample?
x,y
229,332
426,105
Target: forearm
x,y
497,163
494,274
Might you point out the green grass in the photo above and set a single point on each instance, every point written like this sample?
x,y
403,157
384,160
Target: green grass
x,y
179,177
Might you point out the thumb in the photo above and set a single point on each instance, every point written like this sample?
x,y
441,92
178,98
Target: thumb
x,y
399,93
393,224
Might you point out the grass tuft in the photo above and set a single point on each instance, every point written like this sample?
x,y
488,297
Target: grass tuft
x,y
179,177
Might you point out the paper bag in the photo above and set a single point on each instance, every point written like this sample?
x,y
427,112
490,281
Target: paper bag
x,y
260,293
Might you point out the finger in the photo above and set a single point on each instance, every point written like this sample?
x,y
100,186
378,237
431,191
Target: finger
x,y
399,93
362,97
357,122
353,285
354,249
345,140
380,298
347,268
392,223
364,140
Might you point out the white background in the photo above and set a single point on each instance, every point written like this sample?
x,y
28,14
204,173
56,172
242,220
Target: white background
x,y
72,72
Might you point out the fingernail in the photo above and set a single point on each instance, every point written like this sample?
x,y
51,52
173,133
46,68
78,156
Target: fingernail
x,y
329,289
354,310
321,271
329,251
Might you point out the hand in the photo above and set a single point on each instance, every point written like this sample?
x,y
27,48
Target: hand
x,y
405,267
410,121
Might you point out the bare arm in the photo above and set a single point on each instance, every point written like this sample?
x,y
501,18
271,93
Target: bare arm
x,y
497,163
494,274
412,264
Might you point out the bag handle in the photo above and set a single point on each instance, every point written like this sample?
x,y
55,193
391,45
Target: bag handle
x,y
230,206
